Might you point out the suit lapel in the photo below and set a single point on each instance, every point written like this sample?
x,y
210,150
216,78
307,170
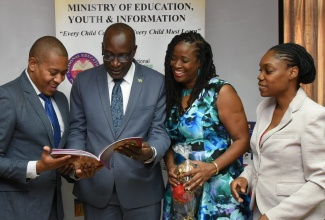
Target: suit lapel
x,y
136,88
65,117
102,85
284,121
266,115
137,85
32,97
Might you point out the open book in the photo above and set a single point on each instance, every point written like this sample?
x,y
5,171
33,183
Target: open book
x,y
104,156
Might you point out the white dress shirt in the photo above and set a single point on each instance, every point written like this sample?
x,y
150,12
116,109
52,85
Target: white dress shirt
x,y
126,86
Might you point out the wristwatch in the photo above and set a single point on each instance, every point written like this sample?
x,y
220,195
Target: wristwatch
x,y
154,154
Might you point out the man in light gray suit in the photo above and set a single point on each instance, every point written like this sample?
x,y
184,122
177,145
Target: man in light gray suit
x,y
29,183
133,187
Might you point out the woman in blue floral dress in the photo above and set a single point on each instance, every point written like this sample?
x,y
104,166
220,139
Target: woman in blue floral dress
x,y
205,112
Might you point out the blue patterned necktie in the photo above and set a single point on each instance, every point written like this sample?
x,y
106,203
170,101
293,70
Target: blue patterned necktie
x,y
53,118
117,104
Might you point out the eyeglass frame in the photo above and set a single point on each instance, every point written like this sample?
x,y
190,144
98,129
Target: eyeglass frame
x,y
125,55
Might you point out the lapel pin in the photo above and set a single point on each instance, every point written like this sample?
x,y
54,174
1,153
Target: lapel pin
x,y
140,80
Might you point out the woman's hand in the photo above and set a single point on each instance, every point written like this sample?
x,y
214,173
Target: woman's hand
x,y
238,186
199,175
172,177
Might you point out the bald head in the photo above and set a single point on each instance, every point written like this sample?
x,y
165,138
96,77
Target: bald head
x,y
120,29
119,43
46,45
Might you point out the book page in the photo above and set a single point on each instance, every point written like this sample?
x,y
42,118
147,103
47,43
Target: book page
x,y
80,156
86,159
107,152
104,157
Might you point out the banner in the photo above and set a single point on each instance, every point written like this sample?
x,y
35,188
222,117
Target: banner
x,y
81,26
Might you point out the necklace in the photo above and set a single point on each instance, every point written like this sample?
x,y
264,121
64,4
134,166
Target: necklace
x,y
186,92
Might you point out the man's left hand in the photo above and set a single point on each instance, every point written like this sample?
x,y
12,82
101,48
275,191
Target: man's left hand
x,y
136,153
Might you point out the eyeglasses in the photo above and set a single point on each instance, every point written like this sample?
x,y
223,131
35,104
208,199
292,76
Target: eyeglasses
x,y
123,58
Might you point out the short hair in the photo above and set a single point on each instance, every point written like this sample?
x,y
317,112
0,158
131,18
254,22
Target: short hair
x,y
297,55
45,45
121,28
207,70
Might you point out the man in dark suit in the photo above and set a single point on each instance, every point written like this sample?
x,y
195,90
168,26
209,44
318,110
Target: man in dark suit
x,y
133,187
29,182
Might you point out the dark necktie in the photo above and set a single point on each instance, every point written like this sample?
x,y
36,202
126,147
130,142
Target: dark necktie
x,y
117,104
53,118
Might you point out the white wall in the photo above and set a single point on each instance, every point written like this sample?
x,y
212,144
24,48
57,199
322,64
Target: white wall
x,y
239,31
22,22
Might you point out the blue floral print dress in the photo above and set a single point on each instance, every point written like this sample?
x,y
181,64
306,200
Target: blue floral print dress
x,y
201,128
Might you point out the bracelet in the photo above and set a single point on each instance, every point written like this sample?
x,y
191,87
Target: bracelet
x,y
216,167
154,154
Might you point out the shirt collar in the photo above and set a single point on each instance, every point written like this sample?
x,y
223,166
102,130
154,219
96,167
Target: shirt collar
x,y
128,77
30,80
